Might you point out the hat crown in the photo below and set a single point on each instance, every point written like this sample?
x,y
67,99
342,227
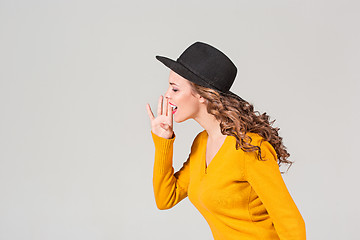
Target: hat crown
x,y
209,63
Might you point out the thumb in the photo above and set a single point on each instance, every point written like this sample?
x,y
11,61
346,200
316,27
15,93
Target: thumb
x,y
165,126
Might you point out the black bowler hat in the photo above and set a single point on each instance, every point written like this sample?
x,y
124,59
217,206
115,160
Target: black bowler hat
x,y
204,65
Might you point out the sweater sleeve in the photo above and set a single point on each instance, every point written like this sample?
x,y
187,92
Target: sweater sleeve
x,y
169,188
266,180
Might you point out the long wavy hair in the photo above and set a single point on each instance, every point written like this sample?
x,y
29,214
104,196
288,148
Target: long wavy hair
x,y
237,118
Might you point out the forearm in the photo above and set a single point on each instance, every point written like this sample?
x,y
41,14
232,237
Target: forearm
x,y
167,192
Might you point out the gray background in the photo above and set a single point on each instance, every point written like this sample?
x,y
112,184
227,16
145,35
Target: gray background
x,y
76,154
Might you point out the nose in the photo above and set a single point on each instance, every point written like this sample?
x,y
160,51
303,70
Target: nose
x,y
167,94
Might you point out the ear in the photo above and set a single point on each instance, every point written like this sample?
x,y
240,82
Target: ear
x,y
201,99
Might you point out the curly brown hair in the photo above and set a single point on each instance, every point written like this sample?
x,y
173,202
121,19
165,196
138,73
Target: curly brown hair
x,y
237,118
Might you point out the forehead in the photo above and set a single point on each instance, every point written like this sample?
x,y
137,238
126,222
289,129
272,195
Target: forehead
x,y
177,79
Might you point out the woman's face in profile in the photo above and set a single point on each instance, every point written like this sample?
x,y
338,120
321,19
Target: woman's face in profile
x,y
185,103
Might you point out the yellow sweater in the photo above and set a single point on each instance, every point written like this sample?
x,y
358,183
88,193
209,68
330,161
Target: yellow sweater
x,y
240,196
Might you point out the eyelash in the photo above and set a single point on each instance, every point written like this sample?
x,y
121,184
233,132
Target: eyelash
x,y
175,90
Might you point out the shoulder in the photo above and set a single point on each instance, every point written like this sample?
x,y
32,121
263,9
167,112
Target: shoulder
x,y
198,141
256,139
199,138
267,150
201,134
197,144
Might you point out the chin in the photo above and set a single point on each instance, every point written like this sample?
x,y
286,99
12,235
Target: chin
x,y
180,120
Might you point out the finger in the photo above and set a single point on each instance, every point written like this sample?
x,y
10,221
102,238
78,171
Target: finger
x,y
169,110
164,109
164,126
150,113
167,107
159,106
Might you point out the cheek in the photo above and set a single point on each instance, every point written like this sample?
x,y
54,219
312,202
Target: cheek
x,y
191,106
186,103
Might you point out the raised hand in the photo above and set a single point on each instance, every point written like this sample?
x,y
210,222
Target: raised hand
x,y
162,125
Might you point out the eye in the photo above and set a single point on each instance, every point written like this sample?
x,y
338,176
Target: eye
x,y
175,90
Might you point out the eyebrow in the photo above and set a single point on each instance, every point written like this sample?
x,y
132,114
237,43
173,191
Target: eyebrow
x,y
171,83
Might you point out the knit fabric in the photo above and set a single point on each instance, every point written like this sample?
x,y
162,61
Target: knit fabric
x,y
240,196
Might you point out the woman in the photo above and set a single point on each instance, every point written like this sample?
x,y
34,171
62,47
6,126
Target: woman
x,y
232,173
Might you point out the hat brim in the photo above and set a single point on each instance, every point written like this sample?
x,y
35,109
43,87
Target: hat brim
x,y
189,75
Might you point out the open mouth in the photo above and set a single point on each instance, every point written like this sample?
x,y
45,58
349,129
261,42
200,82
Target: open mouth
x,y
174,108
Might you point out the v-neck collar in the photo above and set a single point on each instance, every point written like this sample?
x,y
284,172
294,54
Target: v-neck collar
x,y
205,167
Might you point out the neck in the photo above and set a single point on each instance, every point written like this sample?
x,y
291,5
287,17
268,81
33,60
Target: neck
x,y
210,124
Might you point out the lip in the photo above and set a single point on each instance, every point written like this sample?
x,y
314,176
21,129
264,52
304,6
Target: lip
x,y
174,110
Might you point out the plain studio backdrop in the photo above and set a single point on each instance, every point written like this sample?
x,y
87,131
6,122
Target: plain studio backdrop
x,y
76,153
